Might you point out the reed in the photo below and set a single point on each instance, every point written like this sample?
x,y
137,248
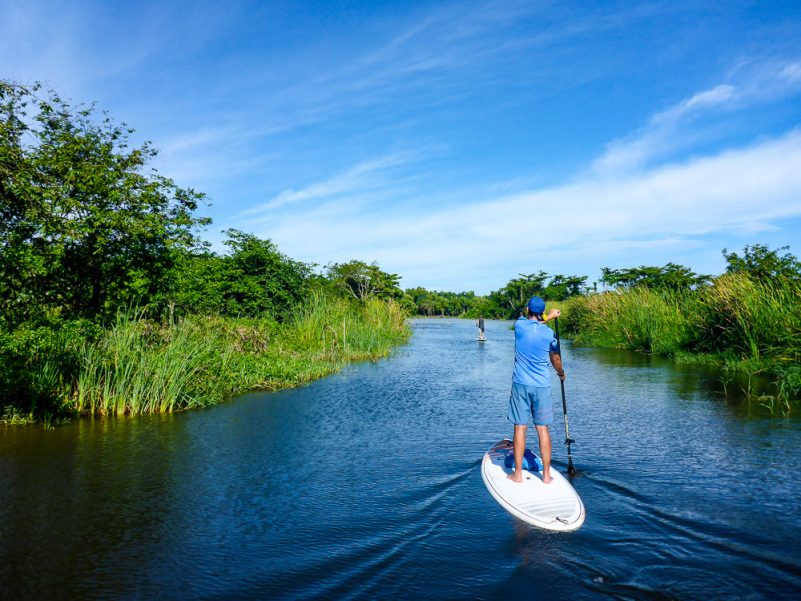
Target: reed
x,y
738,322
143,367
139,367
753,319
655,321
366,330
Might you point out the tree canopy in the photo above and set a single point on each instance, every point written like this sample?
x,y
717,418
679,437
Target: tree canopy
x,y
763,264
671,276
252,279
505,303
362,280
84,229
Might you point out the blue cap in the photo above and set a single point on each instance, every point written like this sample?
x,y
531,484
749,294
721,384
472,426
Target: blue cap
x,y
536,304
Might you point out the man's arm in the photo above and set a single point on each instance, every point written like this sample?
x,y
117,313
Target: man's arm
x,y
556,361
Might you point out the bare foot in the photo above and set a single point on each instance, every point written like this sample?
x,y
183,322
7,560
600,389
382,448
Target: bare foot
x,y
515,477
546,478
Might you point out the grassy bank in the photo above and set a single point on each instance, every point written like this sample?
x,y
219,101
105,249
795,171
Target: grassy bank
x,y
140,366
737,322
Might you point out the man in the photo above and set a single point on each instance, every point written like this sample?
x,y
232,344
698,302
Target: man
x,y
480,324
535,348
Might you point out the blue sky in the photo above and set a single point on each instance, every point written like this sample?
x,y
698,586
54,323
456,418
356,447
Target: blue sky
x,y
456,143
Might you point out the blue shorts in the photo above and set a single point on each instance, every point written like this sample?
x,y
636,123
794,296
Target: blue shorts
x,y
527,402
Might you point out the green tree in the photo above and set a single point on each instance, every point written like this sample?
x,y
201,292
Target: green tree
x,y
671,276
562,287
507,302
253,279
763,264
260,279
361,280
84,229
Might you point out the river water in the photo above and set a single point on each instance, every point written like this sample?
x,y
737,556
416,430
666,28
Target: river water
x,y
367,485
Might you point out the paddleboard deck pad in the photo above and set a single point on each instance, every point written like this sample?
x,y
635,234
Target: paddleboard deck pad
x,y
553,506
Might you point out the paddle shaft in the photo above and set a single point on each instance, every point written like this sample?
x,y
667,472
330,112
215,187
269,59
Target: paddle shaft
x,y
568,440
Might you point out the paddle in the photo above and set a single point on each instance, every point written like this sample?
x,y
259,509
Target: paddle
x,y
568,440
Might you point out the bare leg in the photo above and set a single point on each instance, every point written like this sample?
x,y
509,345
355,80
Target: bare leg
x,y
520,447
545,450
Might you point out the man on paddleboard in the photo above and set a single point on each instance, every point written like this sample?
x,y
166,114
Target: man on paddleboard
x,y
536,349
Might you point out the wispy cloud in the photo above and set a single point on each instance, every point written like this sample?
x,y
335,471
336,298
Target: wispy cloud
x,y
681,126
703,100
363,177
663,206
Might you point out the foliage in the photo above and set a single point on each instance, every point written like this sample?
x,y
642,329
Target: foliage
x,y
84,230
655,321
452,304
141,366
748,318
37,360
365,330
762,264
518,290
506,303
753,318
561,287
253,279
363,281
669,277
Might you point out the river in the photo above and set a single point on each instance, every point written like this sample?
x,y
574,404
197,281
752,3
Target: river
x,y
367,485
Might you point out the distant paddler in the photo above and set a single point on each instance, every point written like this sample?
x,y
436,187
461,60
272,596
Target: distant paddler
x,y
480,325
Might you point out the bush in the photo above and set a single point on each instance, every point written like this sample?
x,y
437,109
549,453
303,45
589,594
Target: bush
x,y
38,361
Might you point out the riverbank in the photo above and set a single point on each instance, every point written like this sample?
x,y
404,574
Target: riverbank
x,y
140,366
738,323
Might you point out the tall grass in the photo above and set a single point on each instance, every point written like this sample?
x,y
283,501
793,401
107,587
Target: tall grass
x,y
751,318
640,319
328,325
143,367
138,367
737,321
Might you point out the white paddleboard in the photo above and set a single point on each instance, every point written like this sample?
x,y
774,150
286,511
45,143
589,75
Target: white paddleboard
x,y
553,506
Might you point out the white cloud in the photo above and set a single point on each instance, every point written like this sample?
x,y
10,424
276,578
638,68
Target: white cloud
x,y
357,179
681,126
661,135
736,190
791,73
709,98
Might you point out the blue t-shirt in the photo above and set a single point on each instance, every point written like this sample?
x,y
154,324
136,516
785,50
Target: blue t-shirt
x,y
534,342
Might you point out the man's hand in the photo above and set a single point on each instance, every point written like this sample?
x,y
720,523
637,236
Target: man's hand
x,y
552,314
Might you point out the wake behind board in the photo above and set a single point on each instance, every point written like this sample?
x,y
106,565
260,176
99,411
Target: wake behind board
x,y
553,506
